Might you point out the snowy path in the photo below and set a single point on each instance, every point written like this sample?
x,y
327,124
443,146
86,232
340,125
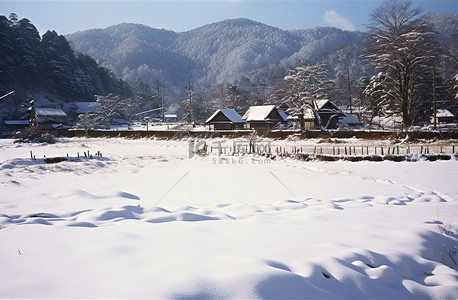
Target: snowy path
x,y
145,221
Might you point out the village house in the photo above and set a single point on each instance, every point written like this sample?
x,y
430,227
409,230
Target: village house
x,y
49,119
263,117
443,116
16,124
328,112
74,109
170,118
225,119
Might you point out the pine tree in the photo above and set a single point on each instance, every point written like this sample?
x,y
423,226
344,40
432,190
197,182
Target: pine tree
x,y
29,57
7,66
60,64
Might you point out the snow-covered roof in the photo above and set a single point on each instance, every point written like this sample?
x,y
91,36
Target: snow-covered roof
x,y
50,111
50,114
349,119
283,115
230,114
81,107
60,126
258,113
320,104
171,116
16,122
443,113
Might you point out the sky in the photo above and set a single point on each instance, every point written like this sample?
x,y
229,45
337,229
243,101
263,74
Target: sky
x,y
66,16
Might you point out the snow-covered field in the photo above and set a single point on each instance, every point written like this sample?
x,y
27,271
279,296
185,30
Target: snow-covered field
x,y
146,221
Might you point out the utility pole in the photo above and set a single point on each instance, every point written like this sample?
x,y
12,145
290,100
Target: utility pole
x,y
349,88
160,97
191,109
162,103
33,115
434,98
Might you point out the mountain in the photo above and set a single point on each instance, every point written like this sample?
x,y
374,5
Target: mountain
x,y
236,50
213,54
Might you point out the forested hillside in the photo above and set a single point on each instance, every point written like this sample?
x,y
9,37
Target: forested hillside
x,y
47,64
230,50
213,54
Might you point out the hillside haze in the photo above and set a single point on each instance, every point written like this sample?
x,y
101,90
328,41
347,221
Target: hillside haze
x,y
213,54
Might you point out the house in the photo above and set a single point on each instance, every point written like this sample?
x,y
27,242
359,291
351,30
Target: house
x,y
170,118
16,124
328,112
50,115
48,118
226,119
443,116
263,117
77,108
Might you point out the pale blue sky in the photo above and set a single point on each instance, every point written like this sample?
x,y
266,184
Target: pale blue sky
x,y
66,16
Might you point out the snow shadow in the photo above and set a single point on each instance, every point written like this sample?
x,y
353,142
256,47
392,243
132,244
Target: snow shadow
x,y
91,218
357,275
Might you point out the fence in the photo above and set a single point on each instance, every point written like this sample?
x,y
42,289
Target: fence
x,y
180,134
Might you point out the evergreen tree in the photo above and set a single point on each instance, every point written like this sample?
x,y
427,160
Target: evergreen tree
x,y
7,65
29,58
60,64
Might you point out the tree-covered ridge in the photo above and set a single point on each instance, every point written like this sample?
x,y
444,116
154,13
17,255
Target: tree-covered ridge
x,y
48,64
217,53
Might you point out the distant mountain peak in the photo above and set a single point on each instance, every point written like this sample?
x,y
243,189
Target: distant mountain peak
x,y
220,52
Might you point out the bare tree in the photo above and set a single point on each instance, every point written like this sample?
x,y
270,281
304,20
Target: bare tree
x,y
128,109
402,50
108,107
88,121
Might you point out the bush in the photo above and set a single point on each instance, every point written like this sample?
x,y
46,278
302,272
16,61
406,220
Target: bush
x,y
35,135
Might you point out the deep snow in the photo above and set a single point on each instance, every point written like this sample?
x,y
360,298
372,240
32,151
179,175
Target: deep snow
x,y
146,221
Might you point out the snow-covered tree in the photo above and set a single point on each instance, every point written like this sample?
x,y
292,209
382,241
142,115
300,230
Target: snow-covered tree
x,y
402,50
7,49
109,107
455,87
60,64
305,85
234,98
200,112
14,18
88,121
29,56
128,109
374,96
